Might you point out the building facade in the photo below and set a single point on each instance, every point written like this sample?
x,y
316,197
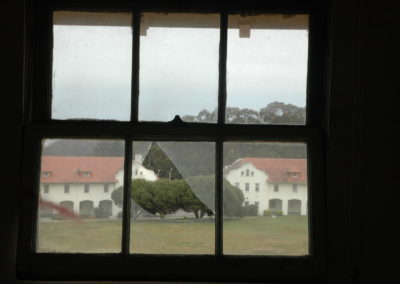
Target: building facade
x,y
84,184
277,185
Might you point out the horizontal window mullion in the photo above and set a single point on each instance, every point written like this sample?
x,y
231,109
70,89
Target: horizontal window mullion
x,y
171,131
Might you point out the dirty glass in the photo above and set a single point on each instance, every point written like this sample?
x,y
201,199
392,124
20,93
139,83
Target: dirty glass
x,y
179,55
258,219
267,69
173,198
92,60
75,212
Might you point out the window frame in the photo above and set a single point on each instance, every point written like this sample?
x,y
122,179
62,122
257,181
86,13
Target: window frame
x,y
218,267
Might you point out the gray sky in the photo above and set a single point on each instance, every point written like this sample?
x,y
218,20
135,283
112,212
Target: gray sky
x,y
178,71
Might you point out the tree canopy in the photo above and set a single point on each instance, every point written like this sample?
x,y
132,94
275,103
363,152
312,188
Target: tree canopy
x,y
164,196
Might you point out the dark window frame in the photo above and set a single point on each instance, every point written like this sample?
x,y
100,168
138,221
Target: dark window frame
x,y
86,188
66,188
46,188
218,267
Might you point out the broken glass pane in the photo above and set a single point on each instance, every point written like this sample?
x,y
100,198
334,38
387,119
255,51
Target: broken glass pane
x,y
173,189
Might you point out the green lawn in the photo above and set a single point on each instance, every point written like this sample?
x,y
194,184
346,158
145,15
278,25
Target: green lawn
x,y
286,235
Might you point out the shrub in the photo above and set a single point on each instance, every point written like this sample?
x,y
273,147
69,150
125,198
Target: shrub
x,y
267,213
250,210
119,215
277,213
99,213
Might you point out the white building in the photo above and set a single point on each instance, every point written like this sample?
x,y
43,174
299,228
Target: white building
x,y
82,184
273,184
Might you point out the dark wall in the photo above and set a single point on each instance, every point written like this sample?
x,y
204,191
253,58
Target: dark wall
x,y
361,155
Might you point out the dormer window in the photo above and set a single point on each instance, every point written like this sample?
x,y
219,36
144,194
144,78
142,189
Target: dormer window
x,y
294,174
46,173
84,173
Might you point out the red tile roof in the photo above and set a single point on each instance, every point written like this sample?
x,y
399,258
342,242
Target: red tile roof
x,y
67,169
278,170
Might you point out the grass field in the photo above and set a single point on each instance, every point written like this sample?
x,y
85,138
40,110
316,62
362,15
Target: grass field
x,y
286,235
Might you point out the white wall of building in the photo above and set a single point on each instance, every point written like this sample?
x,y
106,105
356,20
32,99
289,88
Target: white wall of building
x,y
285,193
56,193
238,177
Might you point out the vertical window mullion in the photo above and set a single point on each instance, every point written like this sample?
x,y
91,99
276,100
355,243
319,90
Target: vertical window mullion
x,y
219,200
126,197
135,67
222,68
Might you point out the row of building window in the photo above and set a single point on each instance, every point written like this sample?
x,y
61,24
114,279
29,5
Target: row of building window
x,y
294,188
247,203
247,186
46,188
257,187
248,173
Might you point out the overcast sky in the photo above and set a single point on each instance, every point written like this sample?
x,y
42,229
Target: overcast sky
x,y
178,71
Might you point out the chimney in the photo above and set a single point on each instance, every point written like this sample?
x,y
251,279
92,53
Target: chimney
x,y
138,158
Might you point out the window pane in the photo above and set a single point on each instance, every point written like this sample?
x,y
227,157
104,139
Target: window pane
x,y
266,221
267,69
84,218
92,59
179,67
173,198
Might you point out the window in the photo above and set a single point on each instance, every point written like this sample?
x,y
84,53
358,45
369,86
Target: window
x,y
170,87
46,173
66,188
46,188
106,187
257,185
294,188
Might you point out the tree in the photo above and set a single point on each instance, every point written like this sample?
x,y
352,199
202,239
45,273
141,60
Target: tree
x,y
233,200
166,196
160,163
281,113
117,196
